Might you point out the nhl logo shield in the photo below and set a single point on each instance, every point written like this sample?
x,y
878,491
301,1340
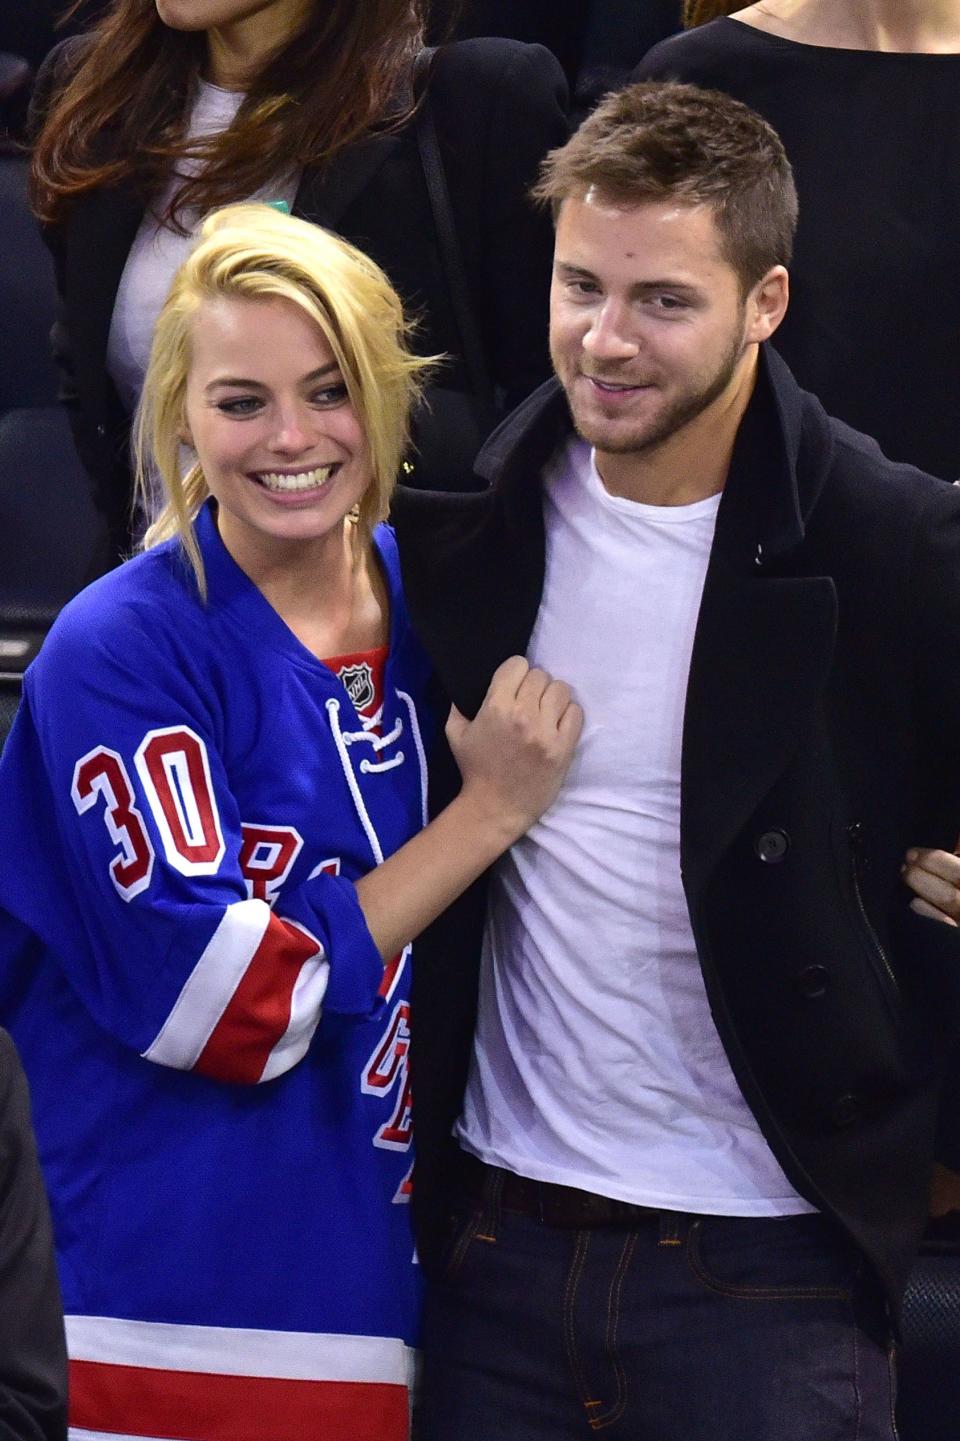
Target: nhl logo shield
x,y
357,681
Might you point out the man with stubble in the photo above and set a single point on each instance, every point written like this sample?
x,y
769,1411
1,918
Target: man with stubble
x,y
678,1065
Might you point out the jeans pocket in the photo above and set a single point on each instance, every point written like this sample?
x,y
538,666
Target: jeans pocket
x,y
774,1258
462,1227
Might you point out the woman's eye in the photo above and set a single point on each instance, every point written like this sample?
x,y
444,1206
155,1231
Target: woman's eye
x,y
330,394
239,405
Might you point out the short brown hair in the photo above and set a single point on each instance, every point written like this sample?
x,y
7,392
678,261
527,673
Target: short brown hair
x,y
656,141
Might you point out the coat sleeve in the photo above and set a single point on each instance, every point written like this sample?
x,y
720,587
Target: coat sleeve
x,y
124,856
33,1359
934,603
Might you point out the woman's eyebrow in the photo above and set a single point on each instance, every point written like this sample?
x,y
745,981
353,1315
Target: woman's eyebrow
x,y
317,374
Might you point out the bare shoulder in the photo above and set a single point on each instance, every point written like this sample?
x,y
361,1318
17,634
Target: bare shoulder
x,y
762,17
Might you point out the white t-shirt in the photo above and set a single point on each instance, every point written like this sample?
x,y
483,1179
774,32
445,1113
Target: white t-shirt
x,y
158,251
597,1063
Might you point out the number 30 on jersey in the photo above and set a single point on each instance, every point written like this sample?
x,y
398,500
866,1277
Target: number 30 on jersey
x,y
174,771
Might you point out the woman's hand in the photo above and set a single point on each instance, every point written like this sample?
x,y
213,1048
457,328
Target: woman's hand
x,y
514,754
513,757
934,877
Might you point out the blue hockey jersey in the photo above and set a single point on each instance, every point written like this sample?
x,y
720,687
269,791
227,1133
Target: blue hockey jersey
x,y
218,1060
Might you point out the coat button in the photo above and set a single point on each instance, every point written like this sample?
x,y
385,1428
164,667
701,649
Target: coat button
x,y
101,431
772,846
846,1111
813,982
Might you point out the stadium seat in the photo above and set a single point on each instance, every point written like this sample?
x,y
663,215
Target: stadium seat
x,y
928,1406
49,534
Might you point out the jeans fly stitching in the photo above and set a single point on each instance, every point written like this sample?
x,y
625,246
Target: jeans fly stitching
x,y
856,1373
569,1325
613,1321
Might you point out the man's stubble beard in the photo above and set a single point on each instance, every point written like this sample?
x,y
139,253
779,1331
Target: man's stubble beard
x,y
684,410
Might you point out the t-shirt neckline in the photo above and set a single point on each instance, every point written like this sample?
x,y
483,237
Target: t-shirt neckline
x,y
787,41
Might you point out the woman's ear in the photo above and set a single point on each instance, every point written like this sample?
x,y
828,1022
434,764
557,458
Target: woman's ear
x,y
185,435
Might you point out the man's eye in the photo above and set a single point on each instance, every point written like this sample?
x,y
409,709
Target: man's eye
x,y
582,287
239,405
668,302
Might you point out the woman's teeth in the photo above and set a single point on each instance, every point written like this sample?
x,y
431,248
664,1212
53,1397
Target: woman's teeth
x,y
305,480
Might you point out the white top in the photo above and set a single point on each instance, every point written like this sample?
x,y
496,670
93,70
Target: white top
x,y
597,1063
157,251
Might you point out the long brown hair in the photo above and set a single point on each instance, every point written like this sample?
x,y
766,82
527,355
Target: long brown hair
x,y
121,114
698,12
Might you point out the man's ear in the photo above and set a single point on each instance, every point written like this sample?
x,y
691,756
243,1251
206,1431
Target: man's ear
x,y
767,303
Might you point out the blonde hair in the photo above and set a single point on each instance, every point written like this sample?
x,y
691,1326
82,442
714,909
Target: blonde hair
x,y
254,252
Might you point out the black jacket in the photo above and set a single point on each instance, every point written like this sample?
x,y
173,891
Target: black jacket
x,y
821,738
498,106
33,1357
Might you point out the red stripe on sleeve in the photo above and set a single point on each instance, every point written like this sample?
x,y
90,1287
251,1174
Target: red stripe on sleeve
x,y
259,1009
197,1406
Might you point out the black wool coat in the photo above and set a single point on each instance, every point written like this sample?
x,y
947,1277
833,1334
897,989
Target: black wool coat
x,y
33,1356
498,106
821,739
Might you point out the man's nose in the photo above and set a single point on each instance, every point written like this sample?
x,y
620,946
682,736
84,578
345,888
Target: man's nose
x,y
611,335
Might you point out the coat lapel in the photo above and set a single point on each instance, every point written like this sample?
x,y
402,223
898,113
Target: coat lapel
x,y
761,659
473,565
326,195
764,640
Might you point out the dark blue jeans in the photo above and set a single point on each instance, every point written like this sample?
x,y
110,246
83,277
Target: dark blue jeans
x,y
687,1328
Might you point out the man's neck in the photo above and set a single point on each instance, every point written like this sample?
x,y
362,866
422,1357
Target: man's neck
x,y
691,464
910,26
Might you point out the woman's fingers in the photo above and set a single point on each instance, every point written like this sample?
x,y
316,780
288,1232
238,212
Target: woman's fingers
x,y
514,754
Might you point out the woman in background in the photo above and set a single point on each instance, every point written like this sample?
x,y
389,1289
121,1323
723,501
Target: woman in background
x,y
170,108
865,95
213,860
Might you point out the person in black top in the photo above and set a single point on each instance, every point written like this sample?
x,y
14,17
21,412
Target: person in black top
x,y
33,1358
817,728
163,113
866,97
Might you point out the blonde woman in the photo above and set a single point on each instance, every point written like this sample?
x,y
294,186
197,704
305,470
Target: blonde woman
x,y
213,861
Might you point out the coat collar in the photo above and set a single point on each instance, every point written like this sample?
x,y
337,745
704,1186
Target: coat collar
x,y
781,455
325,194
473,564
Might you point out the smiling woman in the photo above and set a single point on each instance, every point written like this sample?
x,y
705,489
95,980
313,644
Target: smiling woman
x,y
269,374
217,856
